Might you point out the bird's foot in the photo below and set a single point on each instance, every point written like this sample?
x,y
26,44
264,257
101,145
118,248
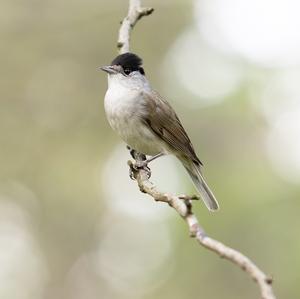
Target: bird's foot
x,y
137,166
136,155
141,162
142,165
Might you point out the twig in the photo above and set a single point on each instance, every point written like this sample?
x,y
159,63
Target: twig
x,y
183,204
135,13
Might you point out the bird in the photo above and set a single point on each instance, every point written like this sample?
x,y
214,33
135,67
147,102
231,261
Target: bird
x,y
147,122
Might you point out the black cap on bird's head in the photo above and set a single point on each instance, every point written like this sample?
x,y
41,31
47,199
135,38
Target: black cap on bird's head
x,y
128,60
125,63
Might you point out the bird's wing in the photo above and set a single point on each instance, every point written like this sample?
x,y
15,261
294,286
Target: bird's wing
x,y
161,118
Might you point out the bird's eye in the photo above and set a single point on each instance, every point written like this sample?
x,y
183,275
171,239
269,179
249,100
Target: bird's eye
x,y
127,71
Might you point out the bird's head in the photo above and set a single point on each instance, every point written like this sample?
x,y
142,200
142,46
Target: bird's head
x,y
125,64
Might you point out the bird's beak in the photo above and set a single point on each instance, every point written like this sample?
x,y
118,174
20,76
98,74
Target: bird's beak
x,y
108,69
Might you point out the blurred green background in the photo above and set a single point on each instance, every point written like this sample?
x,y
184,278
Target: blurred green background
x,y
72,223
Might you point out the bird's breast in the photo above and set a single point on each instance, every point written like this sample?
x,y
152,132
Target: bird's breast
x,y
125,110
121,105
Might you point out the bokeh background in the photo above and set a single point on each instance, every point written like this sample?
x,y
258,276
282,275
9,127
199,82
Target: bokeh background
x,y
72,223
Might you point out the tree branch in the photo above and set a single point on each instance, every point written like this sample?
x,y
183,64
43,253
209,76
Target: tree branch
x,y
183,204
135,13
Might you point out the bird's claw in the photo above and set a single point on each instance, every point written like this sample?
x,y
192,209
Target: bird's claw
x,y
147,170
131,173
141,164
135,167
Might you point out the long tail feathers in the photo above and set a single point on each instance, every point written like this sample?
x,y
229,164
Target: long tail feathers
x,y
206,194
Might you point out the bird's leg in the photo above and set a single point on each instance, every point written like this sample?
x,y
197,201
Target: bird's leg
x,y
144,163
154,157
140,160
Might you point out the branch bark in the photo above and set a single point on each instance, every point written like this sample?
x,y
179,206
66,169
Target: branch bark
x,y
183,204
135,13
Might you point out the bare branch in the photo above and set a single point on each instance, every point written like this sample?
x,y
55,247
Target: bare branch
x,y
135,13
183,204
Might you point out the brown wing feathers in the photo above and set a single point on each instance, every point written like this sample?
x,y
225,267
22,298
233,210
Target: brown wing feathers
x,y
163,121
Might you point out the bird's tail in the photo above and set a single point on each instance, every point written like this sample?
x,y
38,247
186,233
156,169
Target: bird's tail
x,y
206,194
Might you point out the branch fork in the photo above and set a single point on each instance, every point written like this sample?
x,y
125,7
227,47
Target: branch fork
x,y
135,13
